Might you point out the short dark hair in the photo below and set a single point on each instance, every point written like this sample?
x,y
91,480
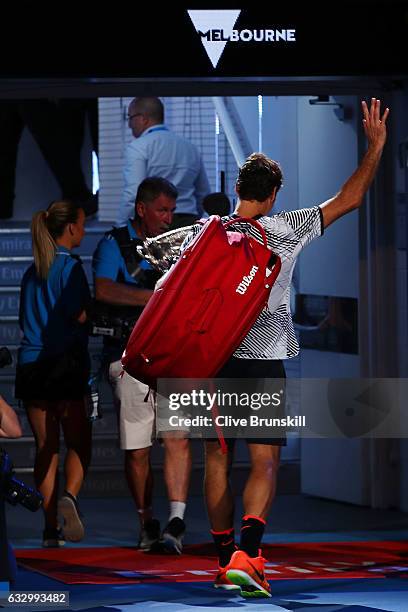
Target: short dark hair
x,y
151,107
217,203
258,177
153,186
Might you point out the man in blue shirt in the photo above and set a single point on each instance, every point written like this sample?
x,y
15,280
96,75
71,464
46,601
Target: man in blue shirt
x,y
156,151
125,282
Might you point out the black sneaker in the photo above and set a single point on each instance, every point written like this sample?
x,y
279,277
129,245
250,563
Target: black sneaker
x,y
68,508
172,536
149,535
53,538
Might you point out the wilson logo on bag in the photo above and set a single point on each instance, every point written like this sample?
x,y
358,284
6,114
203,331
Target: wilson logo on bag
x,y
205,305
246,281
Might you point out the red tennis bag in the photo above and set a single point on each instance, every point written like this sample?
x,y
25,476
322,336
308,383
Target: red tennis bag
x,y
204,307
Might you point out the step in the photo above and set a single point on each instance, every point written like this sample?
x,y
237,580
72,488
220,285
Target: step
x,y
95,351
12,269
105,451
10,335
102,482
113,483
9,301
9,331
106,425
16,241
7,392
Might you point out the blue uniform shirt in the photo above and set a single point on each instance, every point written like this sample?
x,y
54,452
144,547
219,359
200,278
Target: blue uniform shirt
x,y
49,309
109,263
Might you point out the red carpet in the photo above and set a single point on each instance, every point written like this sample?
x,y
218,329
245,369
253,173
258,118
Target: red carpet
x,y
117,565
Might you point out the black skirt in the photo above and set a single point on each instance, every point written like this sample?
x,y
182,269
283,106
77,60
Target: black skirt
x,y
62,377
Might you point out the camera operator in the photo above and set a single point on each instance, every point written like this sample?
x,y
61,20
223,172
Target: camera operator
x,y
9,428
124,283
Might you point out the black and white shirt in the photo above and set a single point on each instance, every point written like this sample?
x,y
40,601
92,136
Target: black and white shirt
x,y
272,335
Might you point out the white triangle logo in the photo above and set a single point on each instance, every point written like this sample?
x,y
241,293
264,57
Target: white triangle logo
x,y
204,21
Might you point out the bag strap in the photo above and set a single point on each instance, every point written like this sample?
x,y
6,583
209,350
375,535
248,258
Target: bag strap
x,y
127,246
250,222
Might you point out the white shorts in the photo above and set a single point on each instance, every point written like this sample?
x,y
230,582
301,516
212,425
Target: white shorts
x,y
137,417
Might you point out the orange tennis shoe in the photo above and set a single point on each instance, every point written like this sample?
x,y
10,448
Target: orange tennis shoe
x,y
222,582
248,573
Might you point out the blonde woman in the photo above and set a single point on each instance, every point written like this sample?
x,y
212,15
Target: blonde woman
x,y
53,363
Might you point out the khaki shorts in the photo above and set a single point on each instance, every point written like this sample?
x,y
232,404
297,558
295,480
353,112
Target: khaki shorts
x,y
137,422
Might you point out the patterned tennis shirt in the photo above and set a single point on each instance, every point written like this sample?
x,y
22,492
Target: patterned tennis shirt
x,y
273,336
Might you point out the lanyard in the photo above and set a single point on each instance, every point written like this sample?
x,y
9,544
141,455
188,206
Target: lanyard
x,y
157,129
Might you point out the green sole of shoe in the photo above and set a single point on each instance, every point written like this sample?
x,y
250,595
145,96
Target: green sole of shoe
x,y
249,588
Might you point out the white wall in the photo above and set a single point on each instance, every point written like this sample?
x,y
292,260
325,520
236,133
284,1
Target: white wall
x,y
279,139
344,473
330,266
335,469
247,108
327,157
280,142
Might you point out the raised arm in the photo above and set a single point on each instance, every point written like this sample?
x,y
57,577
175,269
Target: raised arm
x,y
352,192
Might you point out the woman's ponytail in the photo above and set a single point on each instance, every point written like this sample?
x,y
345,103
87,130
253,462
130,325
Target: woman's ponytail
x,y
46,227
44,246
